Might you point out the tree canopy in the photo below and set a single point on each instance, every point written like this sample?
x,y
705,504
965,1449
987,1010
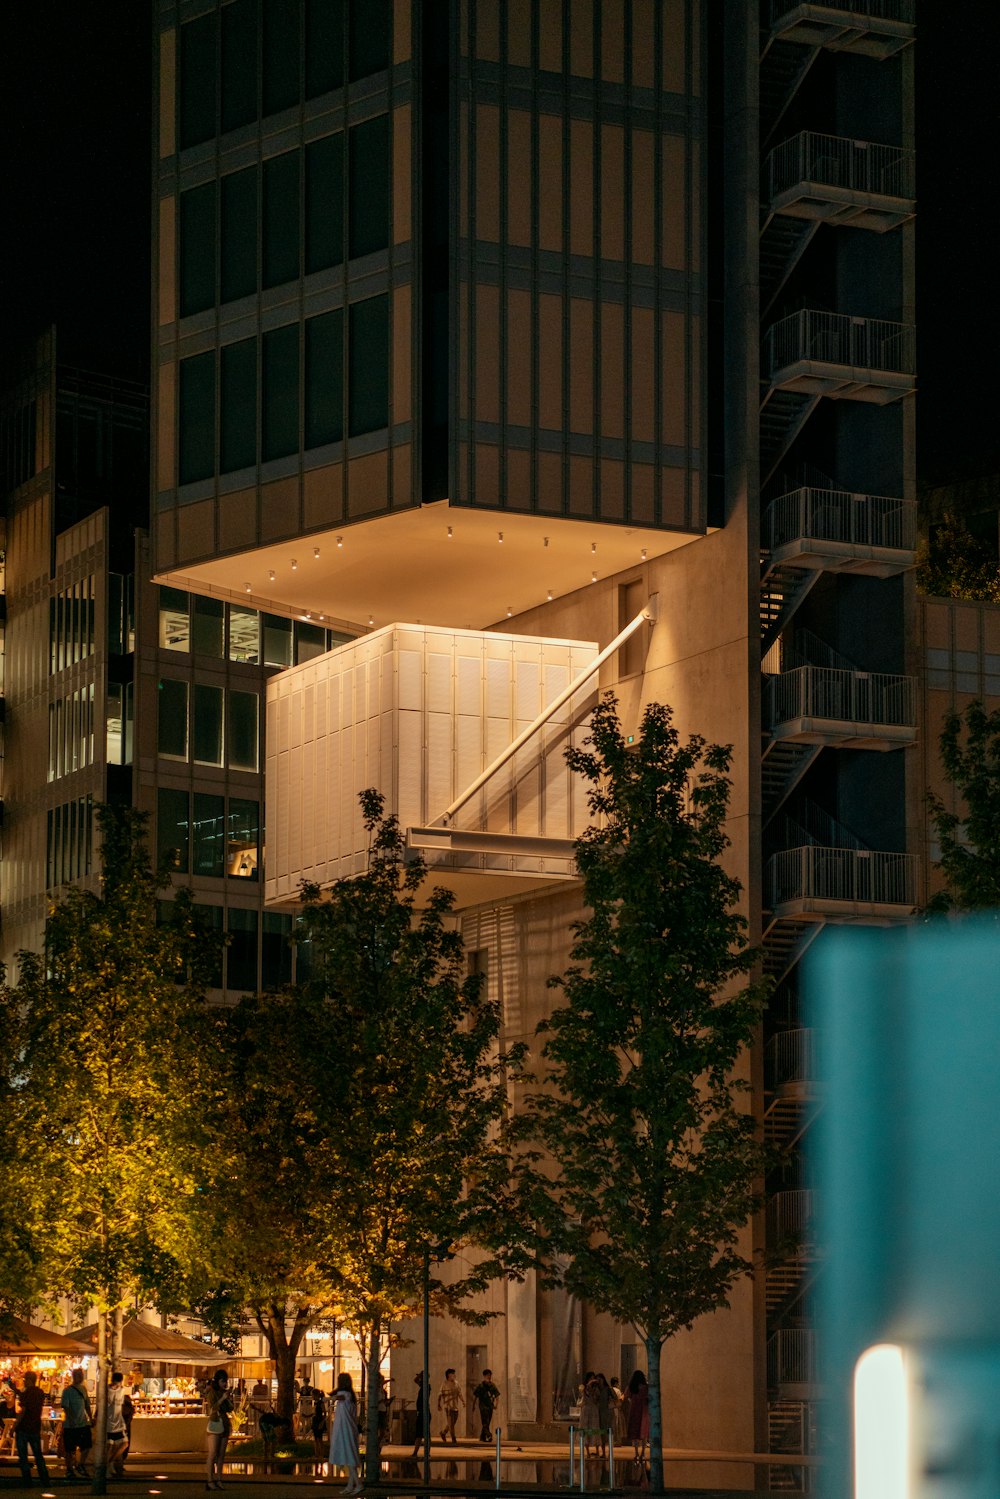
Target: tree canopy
x,y
970,844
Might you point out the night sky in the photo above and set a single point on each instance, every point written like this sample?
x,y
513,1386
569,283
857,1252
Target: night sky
x,y
75,133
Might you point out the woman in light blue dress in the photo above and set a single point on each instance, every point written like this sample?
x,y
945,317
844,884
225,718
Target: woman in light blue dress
x,y
344,1433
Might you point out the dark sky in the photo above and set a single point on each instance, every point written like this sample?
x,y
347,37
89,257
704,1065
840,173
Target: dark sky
x,y
75,134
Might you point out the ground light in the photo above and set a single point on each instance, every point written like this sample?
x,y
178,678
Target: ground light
x,y
881,1424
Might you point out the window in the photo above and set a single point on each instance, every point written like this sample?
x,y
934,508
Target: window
x,y
277,640
369,39
275,950
175,629
243,720
172,719
118,723
207,724
238,406
280,417
281,218
197,249
368,196
208,626
239,63
368,383
239,234
69,830
121,614
281,55
324,413
244,634
173,826
310,641
324,46
325,202
198,57
209,831
241,955
197,418
243,841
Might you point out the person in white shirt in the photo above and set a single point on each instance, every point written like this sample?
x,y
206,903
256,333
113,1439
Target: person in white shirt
x,y
117,1432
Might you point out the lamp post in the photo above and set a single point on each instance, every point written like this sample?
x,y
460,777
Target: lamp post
x,y
438,1252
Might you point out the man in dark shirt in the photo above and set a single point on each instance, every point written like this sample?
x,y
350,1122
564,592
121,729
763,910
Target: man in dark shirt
x,y
28,1429
487,1397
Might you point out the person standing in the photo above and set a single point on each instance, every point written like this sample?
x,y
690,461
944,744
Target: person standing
x,y
344,1433
117,1432
487,1397
450,1397
418,1380
617,1405
28,1429
77,1421
638,1413
319,1426
588,1412
603,1411
218,1407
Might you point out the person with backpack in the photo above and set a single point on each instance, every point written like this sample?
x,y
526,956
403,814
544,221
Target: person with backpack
x,y
77,1422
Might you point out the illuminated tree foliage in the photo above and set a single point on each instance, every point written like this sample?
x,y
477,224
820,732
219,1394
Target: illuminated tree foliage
x,y
647,1163
100,1117
970,845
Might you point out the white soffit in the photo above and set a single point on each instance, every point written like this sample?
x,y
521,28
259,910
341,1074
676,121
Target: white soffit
x,y
407,566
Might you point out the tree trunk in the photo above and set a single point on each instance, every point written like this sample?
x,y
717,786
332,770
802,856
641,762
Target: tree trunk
x,y
372,1463
100,1483
653,1347
284,1352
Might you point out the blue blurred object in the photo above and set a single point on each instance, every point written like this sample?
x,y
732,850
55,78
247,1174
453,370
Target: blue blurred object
x,y
906,1167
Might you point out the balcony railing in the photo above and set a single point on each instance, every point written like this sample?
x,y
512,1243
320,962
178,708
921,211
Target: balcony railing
x,y
853,876
857,697
903,11
790,1217
837,515
790,1057
861,167
791,1357
835,338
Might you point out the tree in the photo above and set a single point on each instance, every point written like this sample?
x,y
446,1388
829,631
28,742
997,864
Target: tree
x,y
647,1167
970,845
104,1122
954,564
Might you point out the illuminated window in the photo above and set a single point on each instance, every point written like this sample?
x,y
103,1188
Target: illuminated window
x,y
243,839
244,634
175,622
209,835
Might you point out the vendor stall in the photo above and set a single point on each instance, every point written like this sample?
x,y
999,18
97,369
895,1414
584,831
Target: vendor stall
x,y
169,1412
50,1355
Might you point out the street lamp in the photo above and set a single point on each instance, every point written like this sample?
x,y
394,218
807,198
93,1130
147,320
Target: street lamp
x,y
436,1253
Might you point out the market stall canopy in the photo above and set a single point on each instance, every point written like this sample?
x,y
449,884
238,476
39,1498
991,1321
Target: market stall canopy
x,y
26,1339
140,1340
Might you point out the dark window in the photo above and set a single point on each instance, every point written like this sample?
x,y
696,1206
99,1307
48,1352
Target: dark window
x,y
197,91
310,641
243,845
209,918
243,730
325,202
207,735
209,830
239,234
241,955
368,187
239,63
369,40
324,46
173,826
208,626
281,392
197,249
368,367
238,405
277,640
281,218
197,418
281,54
324,379
172,716
275,950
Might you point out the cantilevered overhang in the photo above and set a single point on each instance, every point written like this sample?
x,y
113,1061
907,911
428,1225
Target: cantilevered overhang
x,y
435,565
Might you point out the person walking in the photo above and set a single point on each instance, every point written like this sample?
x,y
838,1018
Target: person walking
x,y
77,1421
28,1429
487,1397
450,1397
117,1429
638,1413
344,1434
218,1407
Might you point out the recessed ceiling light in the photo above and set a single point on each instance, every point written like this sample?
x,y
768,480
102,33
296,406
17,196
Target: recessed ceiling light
x,y
315,551
270,576
294,564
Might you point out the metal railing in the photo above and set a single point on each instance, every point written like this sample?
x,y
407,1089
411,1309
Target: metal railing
x,y
790,1057
863,520
861,876
791,1356
865,10
836,338
790,1216
863,697
836,161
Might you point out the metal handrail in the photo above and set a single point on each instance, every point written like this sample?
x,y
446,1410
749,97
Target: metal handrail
x,y
868,520
792,1356
790,1057
836,338
863,697
860,876
790,1216
837,161
878,10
